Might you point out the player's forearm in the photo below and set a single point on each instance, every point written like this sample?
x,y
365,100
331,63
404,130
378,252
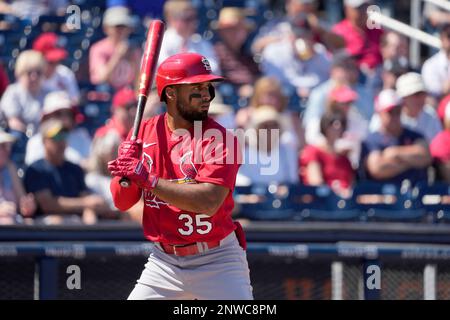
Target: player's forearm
x,y
196,198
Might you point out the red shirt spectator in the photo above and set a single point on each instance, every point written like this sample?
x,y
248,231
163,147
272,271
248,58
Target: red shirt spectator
x,y
336,168
361,42
123,111
114,60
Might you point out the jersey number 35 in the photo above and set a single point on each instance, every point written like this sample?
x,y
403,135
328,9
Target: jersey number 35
x,y
201,226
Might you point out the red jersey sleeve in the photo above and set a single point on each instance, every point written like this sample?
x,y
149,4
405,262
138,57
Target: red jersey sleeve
x,y
221,161
125,198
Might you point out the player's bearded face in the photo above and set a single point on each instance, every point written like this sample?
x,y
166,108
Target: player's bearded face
x,y
193,101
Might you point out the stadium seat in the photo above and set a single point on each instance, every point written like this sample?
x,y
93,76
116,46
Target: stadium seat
x,y
261,202
435,199
388,202
320,203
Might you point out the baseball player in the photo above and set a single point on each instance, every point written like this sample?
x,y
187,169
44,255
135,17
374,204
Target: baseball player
x,y
198,251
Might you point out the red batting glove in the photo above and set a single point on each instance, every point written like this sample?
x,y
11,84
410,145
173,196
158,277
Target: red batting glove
x,y
130,149
134,170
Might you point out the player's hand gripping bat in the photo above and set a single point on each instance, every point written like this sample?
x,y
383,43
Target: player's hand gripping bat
x,y
147,73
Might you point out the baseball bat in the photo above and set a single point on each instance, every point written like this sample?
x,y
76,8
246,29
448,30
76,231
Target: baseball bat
x,y
148,67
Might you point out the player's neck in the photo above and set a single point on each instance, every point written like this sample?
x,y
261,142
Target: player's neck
x,y
177,122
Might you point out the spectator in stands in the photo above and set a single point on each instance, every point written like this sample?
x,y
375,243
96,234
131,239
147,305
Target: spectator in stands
x,y
4,81
392,70
343,72
435,17
104,149
298,13
180,36
341,99
395,52
297,62
394,153
237,65
416,114
32,9
266,158
154,106
144,9
57,76
22,101
13,199
436,70
394,46
326,162
123,112
57,105
113,60
268,91
440,148
361,42
58,184
222,113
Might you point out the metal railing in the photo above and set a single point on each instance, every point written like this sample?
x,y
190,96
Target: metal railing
x,y
412,31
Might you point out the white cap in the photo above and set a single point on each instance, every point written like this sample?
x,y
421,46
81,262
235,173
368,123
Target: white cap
x,y
54,101
116,16
387,100
409,84
356,3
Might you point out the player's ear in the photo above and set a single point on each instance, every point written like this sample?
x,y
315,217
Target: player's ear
x,y
170,93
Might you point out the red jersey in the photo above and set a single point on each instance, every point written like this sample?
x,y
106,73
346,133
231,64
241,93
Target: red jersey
x,y
192,157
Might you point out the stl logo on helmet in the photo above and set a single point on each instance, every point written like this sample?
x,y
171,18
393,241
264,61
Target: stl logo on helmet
x,y
206,64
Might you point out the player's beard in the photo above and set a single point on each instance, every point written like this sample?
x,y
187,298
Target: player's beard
x,y
191,116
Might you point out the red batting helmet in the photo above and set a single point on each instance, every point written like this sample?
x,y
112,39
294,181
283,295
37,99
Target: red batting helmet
x,y
183,68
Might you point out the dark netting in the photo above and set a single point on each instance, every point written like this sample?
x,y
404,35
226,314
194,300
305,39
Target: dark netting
x,y
273,277
443,281
282,278
402,280
352,281
102,277
17,278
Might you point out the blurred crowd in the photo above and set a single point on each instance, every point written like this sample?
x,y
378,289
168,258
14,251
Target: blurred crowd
x,y
348,104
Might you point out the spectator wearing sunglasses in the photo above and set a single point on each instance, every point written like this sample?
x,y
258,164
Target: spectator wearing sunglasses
x,y
22,101
58,185
57,105
114,61
325,163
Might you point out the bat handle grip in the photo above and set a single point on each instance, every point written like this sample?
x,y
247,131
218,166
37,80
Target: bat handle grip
x,y
124,181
